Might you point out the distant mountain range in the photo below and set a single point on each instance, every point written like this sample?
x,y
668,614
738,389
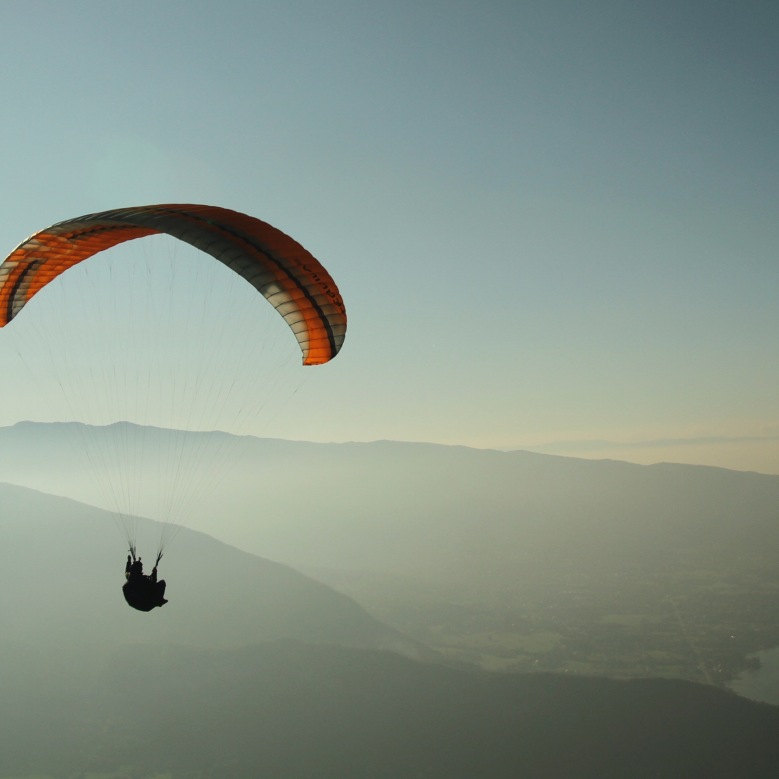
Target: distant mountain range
x,y
566,447
743,453
437,511
62,567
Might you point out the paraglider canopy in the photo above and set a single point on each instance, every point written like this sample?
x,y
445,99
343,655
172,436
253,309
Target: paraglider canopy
x,y
289,277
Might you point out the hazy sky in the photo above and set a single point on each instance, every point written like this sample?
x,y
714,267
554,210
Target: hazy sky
x,y
549,220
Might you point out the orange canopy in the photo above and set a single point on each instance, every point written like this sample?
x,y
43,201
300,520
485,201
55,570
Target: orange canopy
x,y
291,279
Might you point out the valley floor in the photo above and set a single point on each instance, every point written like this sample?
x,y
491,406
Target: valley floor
x,y
689,620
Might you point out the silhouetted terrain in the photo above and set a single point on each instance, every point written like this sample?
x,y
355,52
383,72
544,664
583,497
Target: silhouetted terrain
x,y
514,560
295,711
90,688
62,567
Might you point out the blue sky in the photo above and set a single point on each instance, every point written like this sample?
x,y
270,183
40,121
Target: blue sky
x,y
549,220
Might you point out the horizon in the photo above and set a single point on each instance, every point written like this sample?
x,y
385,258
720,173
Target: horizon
x,y
716,452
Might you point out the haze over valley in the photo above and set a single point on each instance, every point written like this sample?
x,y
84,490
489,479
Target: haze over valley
x,y
252,666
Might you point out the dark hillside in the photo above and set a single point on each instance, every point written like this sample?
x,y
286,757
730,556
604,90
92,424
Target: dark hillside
x,y
62,568
296,711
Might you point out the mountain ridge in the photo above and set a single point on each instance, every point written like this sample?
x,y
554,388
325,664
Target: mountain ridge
x,y
343,505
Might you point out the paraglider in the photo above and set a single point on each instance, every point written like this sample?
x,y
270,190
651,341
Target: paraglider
x,y
296,284
142,592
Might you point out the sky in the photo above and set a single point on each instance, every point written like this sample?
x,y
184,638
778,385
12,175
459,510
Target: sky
x,y
549,221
